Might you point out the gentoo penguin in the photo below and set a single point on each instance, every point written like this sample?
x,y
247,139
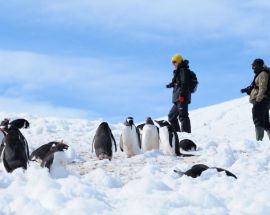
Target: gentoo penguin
x,y
40,153
197,170
15,152
187,145
103,142
150,137
55,156
130,141
169,141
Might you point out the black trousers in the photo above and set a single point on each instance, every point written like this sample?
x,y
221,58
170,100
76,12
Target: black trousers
x,y
180,110
260,114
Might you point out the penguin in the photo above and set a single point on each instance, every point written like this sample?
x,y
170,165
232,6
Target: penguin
x,y
197,170
150,135
169,141
130,141
55,157
187,145
14,146
103,142
40,153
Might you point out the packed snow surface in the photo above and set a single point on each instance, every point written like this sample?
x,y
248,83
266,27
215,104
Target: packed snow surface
x,y
146,183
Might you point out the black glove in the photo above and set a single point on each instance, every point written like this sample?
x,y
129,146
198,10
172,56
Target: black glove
x,y
243,90
170,85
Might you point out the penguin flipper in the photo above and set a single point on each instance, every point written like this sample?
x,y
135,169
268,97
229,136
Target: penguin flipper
x,y
121,143
114,142
139,137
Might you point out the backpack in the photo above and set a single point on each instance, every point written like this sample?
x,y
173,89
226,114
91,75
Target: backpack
x,y
193,82
267,69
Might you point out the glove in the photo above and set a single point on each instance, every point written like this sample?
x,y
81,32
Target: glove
x,y
243,90
170,85
181,99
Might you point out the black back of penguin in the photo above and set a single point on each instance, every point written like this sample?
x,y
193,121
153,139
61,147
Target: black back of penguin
x,y
49,158
41,152
103,140
15,151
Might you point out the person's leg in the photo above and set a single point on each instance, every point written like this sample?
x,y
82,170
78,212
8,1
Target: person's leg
x,y
184,117
259,114
266,120
173,118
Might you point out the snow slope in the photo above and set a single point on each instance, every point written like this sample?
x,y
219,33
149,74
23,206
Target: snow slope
x,y
146,184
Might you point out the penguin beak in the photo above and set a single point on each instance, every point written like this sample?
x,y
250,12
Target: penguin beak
x,y
66,146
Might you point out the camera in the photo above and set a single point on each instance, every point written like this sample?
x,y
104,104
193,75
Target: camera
x,y
247,90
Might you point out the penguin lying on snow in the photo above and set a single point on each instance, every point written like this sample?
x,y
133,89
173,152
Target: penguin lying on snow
x,y
55,157
103,142
169,142
197,170
187,145
130,141
40,153
150,135
14,147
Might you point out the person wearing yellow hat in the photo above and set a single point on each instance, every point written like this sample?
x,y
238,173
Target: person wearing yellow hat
x,y
181,97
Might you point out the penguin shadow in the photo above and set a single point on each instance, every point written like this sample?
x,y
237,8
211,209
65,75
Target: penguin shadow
x,y
45,155
196,170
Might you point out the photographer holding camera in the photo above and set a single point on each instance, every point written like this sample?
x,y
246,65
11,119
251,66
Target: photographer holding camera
x,y
259,97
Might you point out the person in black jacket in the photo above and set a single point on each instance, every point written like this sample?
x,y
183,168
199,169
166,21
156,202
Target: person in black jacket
x,y
181,95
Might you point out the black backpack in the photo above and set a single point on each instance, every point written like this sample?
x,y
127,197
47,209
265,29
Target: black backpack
x,y
193,82
268,84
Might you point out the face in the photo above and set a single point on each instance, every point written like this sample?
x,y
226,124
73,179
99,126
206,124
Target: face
x,y
175,64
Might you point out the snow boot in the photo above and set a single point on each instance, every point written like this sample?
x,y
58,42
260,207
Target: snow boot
x,y
259,133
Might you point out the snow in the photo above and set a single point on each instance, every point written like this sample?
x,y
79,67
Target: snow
x,y
146,183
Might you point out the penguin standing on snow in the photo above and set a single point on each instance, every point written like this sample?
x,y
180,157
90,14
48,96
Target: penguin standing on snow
x,y
197,170
103,142
55,157
15,152
169,141
130,141
150,136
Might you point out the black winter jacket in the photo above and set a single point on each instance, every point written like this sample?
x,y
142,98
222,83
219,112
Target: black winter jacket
x,y
180,82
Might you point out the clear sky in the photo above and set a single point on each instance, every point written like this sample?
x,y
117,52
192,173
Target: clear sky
x,y
111,59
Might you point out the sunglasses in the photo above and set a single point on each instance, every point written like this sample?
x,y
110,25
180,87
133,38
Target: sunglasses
x,y
174,62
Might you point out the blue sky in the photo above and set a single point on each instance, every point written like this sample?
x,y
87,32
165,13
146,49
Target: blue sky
x,y
111,59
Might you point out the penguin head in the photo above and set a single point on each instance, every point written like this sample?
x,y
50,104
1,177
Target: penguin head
x,y
103,128
129,121
163,123
5,124
149,121
59,147
19,123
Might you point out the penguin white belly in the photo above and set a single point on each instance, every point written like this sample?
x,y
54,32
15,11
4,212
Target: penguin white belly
x,y
165,146
130,141
150,138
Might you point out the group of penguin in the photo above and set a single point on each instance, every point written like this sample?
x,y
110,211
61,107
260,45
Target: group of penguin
x,y
14,151
145,137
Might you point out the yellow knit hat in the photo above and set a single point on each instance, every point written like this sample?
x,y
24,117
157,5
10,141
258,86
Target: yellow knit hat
x,y
177,58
